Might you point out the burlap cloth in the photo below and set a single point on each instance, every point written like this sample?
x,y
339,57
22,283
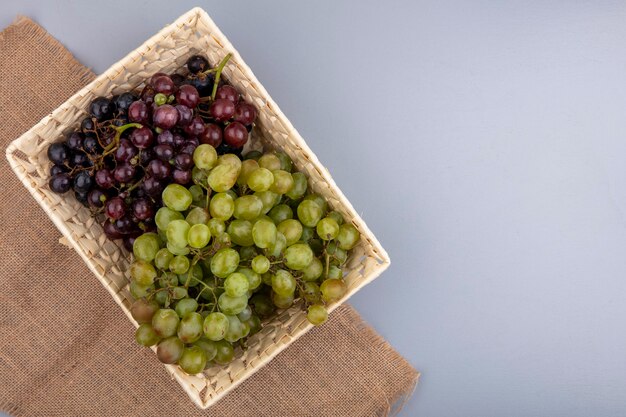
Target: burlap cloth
x,y
66,349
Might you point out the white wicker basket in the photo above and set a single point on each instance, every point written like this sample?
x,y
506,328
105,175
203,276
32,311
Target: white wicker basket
x,y
167,51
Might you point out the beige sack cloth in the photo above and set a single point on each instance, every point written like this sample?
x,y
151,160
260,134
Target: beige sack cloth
x,y
66,349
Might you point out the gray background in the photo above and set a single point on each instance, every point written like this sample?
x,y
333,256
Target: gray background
x,y
484,143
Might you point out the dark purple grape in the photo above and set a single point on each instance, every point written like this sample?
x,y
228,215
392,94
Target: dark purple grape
x,y
185,114
138,112
104,178
188,147
125,151
96,198
87,125
187,95
142,137
124,173
102,109
91,145
177,79
158,169
80,159
212,135
195,128
82,197
165,117
75,141
183,161
58,153
152,187
197,63
110,231
125,225
60,183
163,84
123,101
115,208
165,138
58,169
227,92
245,113
146,155
164,152
235,135
83,182
203,83
143,209
147,95
222,109
224,148
179,140
181,176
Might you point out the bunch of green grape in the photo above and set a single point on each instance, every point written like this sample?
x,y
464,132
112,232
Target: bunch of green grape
x,y
246,239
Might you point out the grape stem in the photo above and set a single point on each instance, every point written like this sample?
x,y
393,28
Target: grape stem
x,y
118,133
218,74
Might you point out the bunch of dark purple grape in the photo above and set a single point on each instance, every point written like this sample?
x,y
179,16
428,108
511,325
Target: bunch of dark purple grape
x,y
133,145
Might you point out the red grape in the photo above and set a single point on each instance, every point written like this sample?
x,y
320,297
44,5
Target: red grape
x,y
158,169
235,135
165,138
115,208
212,135
142,137
163,84
164,152
185,114
222,109
110,231
228,92
181,176
245,113
104,178
138,112
142,209
165,117
125,151
124,173
183,161
187,95
196,127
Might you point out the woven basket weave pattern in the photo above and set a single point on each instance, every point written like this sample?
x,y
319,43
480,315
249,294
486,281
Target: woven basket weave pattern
x,y
167,51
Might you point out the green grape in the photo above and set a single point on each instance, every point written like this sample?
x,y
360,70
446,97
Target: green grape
x,y
336,216
327,228
335,272
208,290
317,246
282,301
223,177
186,305
205,156
224,262
216,227
222,206
165,321
248,207
240,232
280,213
253,155
245,314
348,236
224,239
283,182
313,270
208,346
197,215
292,229
333,289
310,291
285,161
266,278
236,329
236,285
142,310
199,176
317,315
176,250
180,264
162,234
169,350
283,283
260,264
143,273
225,353
260,179
193,359
269,161
199,236
309,213
232,194
262,304
269,200
307,233
190,327
230,160
278,247
197,195
254,323
139,291
319,200
168,279
192,277
337,253
162,258
215,326
163,298
298,256
177,232
165,215
177,197
146,246
179,293
247,167
247,253
232,305
146,336
254,279
299,186
264,233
